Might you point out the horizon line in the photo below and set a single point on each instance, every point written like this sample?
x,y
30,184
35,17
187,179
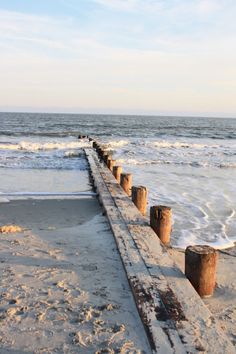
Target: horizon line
x,y
164,115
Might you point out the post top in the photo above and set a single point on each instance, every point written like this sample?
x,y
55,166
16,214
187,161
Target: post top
x,y
126,174
161,207
139,187
201,249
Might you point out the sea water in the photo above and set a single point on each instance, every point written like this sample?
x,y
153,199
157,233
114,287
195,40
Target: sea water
x,y
186,163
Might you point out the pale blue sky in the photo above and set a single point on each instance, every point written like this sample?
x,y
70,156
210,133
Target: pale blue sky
x,y
133,56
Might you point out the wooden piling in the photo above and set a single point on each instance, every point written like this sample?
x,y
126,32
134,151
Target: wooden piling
x,y
99,151
104,155
117,170
98,147
126,182
200,268
160,221
107,157
110,164
139,198
102,152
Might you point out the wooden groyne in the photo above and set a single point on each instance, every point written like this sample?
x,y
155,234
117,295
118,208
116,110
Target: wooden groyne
x,y
173,314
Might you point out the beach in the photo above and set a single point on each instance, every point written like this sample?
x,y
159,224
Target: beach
x,y
222,304
63,288
117,177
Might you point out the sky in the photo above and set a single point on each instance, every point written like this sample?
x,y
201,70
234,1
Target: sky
x,y
172,57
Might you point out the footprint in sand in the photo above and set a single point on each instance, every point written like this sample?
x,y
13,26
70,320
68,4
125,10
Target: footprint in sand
x,y
68,289
17,313
13,302
62,285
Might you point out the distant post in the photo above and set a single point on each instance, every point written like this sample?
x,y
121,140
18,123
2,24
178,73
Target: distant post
x,y
107,159
117,170
104,156
126,182
139,198
111,164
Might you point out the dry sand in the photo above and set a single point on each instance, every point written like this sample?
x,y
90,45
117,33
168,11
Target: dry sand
x,y
223,303
62,285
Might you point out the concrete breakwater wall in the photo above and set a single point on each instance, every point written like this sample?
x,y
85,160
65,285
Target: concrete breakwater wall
x,y
174,316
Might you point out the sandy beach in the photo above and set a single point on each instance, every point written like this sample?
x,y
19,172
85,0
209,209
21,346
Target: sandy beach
x,y
222,304
62,286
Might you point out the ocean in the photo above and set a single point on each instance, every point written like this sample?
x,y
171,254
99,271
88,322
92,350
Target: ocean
x,y
186,163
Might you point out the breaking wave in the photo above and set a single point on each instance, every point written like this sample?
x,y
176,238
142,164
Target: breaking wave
x,y
35,146
179,145
169,162
115,144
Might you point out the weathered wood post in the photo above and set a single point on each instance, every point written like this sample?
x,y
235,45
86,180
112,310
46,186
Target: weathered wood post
x,y
94,144
160,221
101,153
200,268
104,152
104,156
139,198
98,149
126,182
117,170
108,158
110,164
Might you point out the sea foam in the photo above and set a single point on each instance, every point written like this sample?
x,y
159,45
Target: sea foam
x,y
51,145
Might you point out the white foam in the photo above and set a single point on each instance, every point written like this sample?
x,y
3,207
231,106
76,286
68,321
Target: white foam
x,y
119,143
72,154
227,165
51,145
188,238
179,145
4,200
165,161
138,162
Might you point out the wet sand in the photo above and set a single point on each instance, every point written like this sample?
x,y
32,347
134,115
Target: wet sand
x,y
62,286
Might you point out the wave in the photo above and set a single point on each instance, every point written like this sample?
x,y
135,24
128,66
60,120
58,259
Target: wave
x,y
71,154
31,146
120,143
182,163
41,134
177,145
227,165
